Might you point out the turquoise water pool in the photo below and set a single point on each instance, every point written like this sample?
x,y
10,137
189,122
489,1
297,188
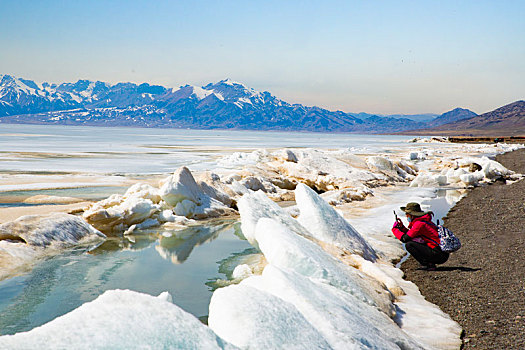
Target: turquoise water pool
x,y
186,264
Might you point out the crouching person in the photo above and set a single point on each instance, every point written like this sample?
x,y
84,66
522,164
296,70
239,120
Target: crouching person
x,y
421,238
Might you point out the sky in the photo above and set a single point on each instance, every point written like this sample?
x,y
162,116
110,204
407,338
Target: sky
x,y
382,57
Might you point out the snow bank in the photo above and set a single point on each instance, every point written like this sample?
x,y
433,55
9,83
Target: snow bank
x,y
423,320
343,176
120,319
461,170
324,170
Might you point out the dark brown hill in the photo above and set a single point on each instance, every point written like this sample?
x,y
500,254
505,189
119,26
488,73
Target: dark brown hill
x,y
508,120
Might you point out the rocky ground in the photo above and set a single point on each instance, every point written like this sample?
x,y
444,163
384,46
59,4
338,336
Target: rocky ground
x,y
482,286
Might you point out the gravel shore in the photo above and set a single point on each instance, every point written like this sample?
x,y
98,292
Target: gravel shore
x,y
482,286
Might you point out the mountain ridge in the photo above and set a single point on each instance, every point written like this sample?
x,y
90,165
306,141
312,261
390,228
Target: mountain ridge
x,y
507,120
225,104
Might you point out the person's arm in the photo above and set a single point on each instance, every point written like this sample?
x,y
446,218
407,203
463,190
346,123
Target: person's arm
x,y
400,231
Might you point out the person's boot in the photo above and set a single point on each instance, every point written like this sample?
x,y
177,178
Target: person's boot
x,y
428,267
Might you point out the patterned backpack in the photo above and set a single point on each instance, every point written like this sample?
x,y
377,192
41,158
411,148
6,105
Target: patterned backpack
x,y
448,242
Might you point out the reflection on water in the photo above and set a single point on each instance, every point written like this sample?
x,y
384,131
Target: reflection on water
x,y
147,262
444,200
251,257
178,245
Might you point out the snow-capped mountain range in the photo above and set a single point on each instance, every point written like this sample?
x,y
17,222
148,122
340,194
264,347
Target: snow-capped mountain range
x,y
225,104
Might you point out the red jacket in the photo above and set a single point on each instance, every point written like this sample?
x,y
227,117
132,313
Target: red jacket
x,y
420,227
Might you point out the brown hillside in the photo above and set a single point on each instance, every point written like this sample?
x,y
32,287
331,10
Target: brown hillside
x,y
508,120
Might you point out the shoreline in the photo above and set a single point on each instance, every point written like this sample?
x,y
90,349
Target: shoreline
x,y
481,286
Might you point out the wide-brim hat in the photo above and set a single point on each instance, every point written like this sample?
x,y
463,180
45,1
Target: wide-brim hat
x,y
413,208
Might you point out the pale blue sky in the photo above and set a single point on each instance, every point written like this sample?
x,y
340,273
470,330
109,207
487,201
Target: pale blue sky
x,y
372,56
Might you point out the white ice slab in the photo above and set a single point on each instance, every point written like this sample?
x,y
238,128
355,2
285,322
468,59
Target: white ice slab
x,y
327,225
256,205
287,250
344,321
252,319
120,319
44,230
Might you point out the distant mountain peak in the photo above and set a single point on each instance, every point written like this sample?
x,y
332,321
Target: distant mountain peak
x,y
229,81
451,116
240,94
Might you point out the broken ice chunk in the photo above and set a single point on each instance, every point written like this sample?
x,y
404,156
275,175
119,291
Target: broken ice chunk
x,y
253,319
287,250
343,320
120,319
327,225
256,205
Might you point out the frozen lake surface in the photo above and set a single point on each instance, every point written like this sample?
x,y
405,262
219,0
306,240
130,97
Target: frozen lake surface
x,y
148,151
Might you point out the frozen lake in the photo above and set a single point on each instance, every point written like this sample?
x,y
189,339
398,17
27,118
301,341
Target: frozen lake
x,y
186,265
30,148
365,176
